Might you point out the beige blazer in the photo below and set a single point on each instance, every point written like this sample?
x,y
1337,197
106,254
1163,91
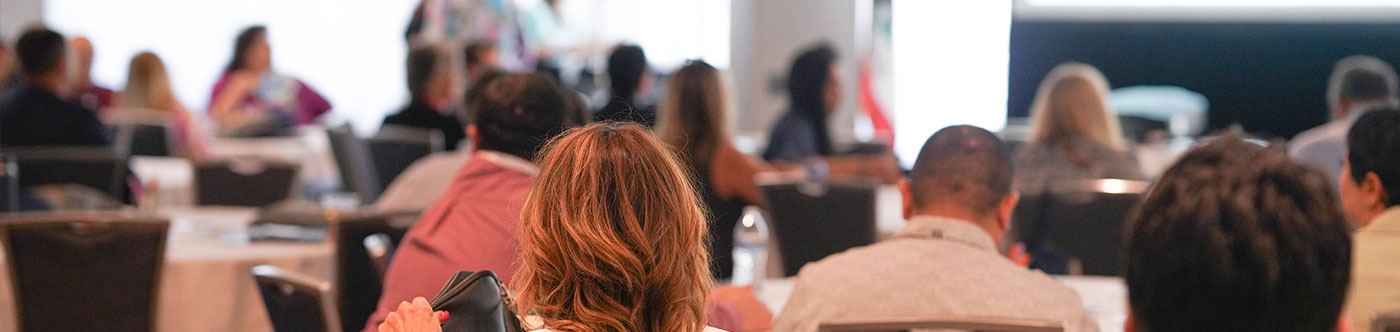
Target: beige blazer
x,y
1375,270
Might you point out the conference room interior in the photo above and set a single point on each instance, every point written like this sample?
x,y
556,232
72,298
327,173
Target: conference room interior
x,y
847,165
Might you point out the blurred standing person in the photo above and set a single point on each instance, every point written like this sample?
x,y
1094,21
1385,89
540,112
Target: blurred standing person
x,y
39,113
628,81
1074,133
148,88
252,100
90,95
430,86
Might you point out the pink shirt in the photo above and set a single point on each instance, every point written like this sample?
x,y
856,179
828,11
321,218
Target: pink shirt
x,y
472,227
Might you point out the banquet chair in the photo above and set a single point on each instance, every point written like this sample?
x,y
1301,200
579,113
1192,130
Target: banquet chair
x,y
1076,226
977,324
295,302
84,271
812,220
380,247
99,168
1387,321
243,182
393,153
357,282
353,158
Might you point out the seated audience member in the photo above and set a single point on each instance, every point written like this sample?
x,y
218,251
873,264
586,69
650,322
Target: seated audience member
x,y
473,225
1370,192
421,184
84,91
9,77
481,57
430,85
628,81
251,100
692,121
39,114
612,239
1235,237
1074,134
1357,83
958,201
814,89
148,88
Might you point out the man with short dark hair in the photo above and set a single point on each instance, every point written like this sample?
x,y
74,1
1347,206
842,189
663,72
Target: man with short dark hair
x,y
481,56
1370,195
430,87
472,225
958,200
1236,237
39,114
628,79
1358,82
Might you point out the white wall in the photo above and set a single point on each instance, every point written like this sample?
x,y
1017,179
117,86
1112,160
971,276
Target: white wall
x,y
15,15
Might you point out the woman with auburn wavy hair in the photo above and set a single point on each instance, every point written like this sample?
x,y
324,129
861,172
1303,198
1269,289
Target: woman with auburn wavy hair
x,y
1074,132
612,239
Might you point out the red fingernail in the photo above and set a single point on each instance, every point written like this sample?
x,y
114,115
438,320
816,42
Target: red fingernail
x,y
442,316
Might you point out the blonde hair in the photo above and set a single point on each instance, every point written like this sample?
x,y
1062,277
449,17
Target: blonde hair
x,y
612,236
693,115
148,85
1072,103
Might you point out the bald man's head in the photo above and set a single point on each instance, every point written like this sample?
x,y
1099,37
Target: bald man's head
x,y
82,53
961,167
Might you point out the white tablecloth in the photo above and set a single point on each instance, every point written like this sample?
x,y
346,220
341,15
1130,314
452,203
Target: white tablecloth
x,y
206,283
1105,298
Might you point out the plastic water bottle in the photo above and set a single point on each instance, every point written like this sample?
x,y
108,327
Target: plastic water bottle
x,y
750,248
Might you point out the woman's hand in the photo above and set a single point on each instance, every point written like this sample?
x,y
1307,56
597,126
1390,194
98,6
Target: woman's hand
x,y
417,316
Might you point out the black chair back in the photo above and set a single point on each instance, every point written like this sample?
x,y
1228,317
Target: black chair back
x,y
84,272
392,157
295,303
357,284
352,156
1076,221
148,139
99,168
243,182
812,220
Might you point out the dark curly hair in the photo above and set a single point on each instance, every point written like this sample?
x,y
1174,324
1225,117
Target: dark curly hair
x,y
1235,237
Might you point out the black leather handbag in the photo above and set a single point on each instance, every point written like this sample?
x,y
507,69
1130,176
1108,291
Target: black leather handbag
x,y
476,302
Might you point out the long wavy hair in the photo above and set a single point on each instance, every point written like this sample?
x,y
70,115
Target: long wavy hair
x,y
693,115
1072,104
612,237
148,84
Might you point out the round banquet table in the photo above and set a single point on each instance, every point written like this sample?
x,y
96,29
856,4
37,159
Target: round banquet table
x,y
206,283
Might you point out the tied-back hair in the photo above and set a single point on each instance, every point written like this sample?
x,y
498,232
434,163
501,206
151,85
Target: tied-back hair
x,y
242,44
612,237
1072,104
806,85
694,113
148,84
